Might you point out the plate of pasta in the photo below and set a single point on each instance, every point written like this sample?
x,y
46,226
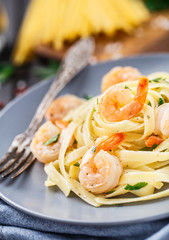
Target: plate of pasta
x,y
103,148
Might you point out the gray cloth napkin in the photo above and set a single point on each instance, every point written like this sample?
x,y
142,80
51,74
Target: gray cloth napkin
x,y
16,225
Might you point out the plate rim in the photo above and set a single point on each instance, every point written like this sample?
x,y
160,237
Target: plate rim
x,y
79,222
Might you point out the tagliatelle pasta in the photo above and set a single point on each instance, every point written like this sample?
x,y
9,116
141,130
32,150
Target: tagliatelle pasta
x,y
145,170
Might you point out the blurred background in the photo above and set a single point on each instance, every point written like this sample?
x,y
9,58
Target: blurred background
x,y
35,34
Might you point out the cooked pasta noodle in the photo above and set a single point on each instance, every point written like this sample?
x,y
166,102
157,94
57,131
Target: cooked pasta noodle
x,y
142,171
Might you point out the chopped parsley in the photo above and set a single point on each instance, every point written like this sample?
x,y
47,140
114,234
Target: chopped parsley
x,y
155,79
161,101
77,164
47,71
126,87
149,148
164,150
149,104
112,191
52,140
75,141
88,97
94,109
6,71
93,149
137,186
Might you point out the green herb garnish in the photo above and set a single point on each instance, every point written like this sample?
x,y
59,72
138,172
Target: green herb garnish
x,y
164,150
149,104
110,191
47,71
52,140
97,101
161,101
126,87
77,164
75,141
88,97
94,109
6,71
149,148
93,149
155,80
137,186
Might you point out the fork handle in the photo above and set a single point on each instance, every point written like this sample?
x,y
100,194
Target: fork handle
x,y
75,60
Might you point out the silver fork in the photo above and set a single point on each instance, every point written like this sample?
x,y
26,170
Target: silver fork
x,y
19,156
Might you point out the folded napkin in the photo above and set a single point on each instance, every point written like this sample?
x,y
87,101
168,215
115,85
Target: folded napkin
x,y
16,225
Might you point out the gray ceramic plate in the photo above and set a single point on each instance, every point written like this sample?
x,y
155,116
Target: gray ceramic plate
x,y
28,193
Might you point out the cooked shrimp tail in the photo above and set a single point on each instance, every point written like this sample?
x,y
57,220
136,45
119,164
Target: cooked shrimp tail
x,y
111,142
117,103
150,141
141,93
61,124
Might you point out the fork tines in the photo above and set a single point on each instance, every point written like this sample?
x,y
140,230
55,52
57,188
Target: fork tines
x,y
19,157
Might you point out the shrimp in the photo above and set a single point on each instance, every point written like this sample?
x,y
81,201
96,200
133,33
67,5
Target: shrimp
x,y
162,120
61,106
61,124
99,170
117,103
49,152
151,140
119,74
46,153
